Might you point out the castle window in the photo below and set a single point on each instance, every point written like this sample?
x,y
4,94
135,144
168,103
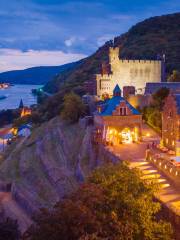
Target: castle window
x,y
120,111
99,109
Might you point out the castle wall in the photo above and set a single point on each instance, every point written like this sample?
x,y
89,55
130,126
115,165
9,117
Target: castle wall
x,y
128,73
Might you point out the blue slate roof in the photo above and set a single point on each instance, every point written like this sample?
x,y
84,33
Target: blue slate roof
x,y
177,98
111,104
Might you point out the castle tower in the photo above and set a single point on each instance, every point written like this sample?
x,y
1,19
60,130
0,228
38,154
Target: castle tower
x,y
113,55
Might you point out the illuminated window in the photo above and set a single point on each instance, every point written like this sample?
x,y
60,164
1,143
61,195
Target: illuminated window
x,y
173,143
166,140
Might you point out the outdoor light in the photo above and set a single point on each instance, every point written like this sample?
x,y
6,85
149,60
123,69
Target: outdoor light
x,y
170,170
160,164
165,166
176,173
147,134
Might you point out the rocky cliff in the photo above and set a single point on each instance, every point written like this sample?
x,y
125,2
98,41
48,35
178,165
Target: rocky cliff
x,y
46,166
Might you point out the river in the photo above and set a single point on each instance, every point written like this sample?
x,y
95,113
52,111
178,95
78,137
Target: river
x,y
15,93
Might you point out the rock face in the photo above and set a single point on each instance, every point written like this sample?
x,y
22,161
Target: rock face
x,y
48,165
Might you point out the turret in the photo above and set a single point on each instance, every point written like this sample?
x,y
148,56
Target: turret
x,y
117,91
113,54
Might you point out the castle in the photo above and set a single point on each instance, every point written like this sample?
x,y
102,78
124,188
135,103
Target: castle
x,y
127,73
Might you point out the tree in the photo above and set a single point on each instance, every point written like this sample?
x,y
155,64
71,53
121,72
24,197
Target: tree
x,y
73,108
115,204
159,97
152,113
131,200
174,77
9,230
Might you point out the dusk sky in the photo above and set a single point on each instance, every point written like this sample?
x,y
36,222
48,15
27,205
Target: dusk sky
x,y
53,32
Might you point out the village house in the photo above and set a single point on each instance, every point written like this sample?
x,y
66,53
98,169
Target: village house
x,y
117,121
25,111
171,123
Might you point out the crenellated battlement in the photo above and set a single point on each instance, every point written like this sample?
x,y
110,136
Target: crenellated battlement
x,y
104,76
114,57
140,61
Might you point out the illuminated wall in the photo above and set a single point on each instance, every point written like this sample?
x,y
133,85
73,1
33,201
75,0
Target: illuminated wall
x,y
128,73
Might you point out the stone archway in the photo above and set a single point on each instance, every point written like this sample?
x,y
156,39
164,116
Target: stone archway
x,y
126,135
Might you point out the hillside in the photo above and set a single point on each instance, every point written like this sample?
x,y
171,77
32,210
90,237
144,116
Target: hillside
x,y
145,40
34,75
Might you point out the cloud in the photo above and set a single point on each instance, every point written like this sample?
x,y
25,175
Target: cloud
x,y
12,59
72,25
122,17
69,42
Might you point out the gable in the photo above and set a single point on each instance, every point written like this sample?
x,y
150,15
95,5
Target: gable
x,y
112,104
122,109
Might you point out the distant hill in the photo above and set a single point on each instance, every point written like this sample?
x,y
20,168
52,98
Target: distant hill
x,y
34,75
145,40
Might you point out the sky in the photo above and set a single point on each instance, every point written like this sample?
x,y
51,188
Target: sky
x,y
55,32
